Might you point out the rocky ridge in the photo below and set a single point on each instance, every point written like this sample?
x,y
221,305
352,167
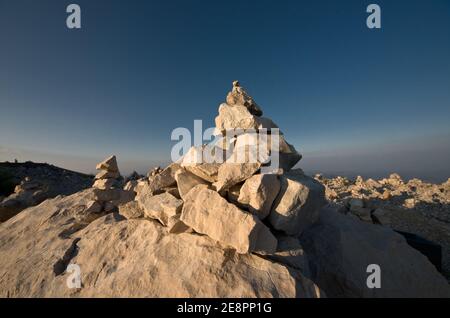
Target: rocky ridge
x,y
33,183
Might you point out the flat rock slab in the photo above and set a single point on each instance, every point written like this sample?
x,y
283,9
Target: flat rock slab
x,y
161,207
232,173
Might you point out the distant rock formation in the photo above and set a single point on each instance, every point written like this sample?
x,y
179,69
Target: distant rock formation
x,y
412,206
36,182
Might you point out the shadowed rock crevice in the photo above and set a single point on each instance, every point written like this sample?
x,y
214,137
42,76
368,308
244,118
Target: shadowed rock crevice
x,y
60,266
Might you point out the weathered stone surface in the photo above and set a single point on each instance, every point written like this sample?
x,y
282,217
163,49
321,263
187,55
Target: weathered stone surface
x,y
129,258
238,96
104,174
381,216
105,184
251,147
235,117
186,181
109,164
115,196
131,210
364,214
160,207
130,185
339,250
297,204
110,207
258,194
107,195
202,162
208,213
93,207
125,196
173,191
165,178
232,173
206,171
176,226
233,194
264,148
291,253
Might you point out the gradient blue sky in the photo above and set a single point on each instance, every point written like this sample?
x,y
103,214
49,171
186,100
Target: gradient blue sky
x,y
352,100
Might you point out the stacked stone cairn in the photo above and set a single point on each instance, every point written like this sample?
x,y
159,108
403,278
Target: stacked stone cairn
x,y
107,190
247,205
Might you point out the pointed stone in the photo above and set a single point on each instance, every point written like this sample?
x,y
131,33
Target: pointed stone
x,y
109,164
238,96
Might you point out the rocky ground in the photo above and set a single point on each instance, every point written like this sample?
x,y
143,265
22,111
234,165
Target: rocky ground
x,y
27,184
412,206
216,229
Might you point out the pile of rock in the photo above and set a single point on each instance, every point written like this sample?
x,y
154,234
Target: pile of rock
x,y
109,175
412,206
233,202
231,228
108,192
388,194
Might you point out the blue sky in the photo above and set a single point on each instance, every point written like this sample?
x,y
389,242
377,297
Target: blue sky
x,y
352,100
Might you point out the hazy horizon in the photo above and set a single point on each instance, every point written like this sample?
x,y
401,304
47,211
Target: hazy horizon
x,y
353,101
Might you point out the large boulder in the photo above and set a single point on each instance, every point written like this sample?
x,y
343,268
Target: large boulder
x,y
131,210
341,248
264,148
196,162
186,181
208,213
232,173
128,258
235,117
164,179
258,193
161,207
297,204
